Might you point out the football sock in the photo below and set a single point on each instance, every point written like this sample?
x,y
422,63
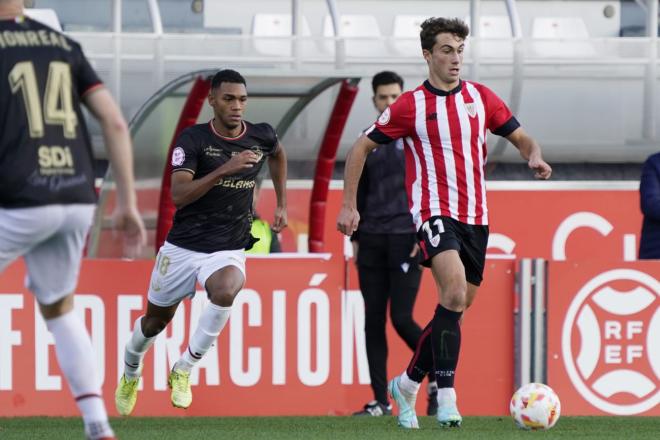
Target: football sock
x,y
446,336
75,356
408,386
210,324
421,363
136,347
98,431
431,387
446,396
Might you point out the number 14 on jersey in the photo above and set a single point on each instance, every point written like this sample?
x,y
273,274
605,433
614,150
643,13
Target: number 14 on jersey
x,y
57,101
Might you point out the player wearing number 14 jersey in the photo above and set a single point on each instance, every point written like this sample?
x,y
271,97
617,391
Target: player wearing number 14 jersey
x,y
443,125
47,192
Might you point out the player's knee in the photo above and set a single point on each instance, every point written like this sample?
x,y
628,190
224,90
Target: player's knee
x,y
455,304
152,326
223,294
222,287
223,299
57,309
454,297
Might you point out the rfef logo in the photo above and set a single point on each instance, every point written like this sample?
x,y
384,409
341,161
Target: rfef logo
x,y
611,341
178,157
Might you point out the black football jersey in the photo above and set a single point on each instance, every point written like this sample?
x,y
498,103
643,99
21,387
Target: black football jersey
x,y
220,219
45,152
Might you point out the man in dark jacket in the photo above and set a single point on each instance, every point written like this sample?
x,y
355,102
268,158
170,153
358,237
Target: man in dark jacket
x,y
649,190
386,252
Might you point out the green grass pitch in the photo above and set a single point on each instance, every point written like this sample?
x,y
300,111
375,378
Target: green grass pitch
x,y
334,428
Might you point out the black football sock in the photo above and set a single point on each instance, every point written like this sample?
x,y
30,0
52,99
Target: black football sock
x,y
446,340
422,361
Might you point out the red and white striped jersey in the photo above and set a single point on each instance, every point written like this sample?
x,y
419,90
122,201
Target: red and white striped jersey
x,y
445,143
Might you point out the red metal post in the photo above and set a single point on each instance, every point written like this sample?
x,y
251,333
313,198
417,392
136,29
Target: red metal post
x,y
326,162
188,117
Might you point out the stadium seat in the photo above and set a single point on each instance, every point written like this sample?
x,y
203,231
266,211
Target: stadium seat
x,y
495,32
406,34
80,15
265,26
45,16
362,33
407,27
493,26
561,29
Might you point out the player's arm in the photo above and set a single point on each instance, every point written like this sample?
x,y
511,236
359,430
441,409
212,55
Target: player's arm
x,y
349,218
278,167
118,144
185,190
530,150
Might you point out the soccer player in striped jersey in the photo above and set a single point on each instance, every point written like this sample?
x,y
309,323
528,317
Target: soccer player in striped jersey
x,y
443,125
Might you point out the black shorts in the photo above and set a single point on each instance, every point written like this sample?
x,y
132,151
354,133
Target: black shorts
x,y
441,233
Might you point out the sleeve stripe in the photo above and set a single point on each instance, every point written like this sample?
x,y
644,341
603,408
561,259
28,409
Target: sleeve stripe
x,y
184,169
508,127
91,89
378,136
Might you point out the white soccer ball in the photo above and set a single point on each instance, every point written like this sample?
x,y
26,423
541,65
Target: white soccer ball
x,y
535,406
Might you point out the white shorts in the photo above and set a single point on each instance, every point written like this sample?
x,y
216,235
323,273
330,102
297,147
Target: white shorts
x,y
51,238
177,270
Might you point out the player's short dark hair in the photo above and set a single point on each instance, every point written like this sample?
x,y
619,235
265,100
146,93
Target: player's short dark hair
x,y
227,75
440,25
386,77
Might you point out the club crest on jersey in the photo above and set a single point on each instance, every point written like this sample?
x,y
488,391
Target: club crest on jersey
x,y
256,149
384,118
178,156
471,109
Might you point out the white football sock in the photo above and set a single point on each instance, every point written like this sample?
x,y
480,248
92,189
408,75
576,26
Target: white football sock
x,y
210,324
75,355
408,386
446,396
136,347
98,430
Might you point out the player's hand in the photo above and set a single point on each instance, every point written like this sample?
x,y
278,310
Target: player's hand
x,y
414,251
240,162
280,219
348,220
541,169
128,222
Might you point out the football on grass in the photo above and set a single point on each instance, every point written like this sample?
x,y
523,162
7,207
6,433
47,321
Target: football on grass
x,y
535,406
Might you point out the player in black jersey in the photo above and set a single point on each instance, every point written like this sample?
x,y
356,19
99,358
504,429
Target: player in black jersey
x,y
215,165
47,195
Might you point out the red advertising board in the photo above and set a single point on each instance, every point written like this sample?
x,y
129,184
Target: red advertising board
x,y
294,343
551,220
296,329
604,337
